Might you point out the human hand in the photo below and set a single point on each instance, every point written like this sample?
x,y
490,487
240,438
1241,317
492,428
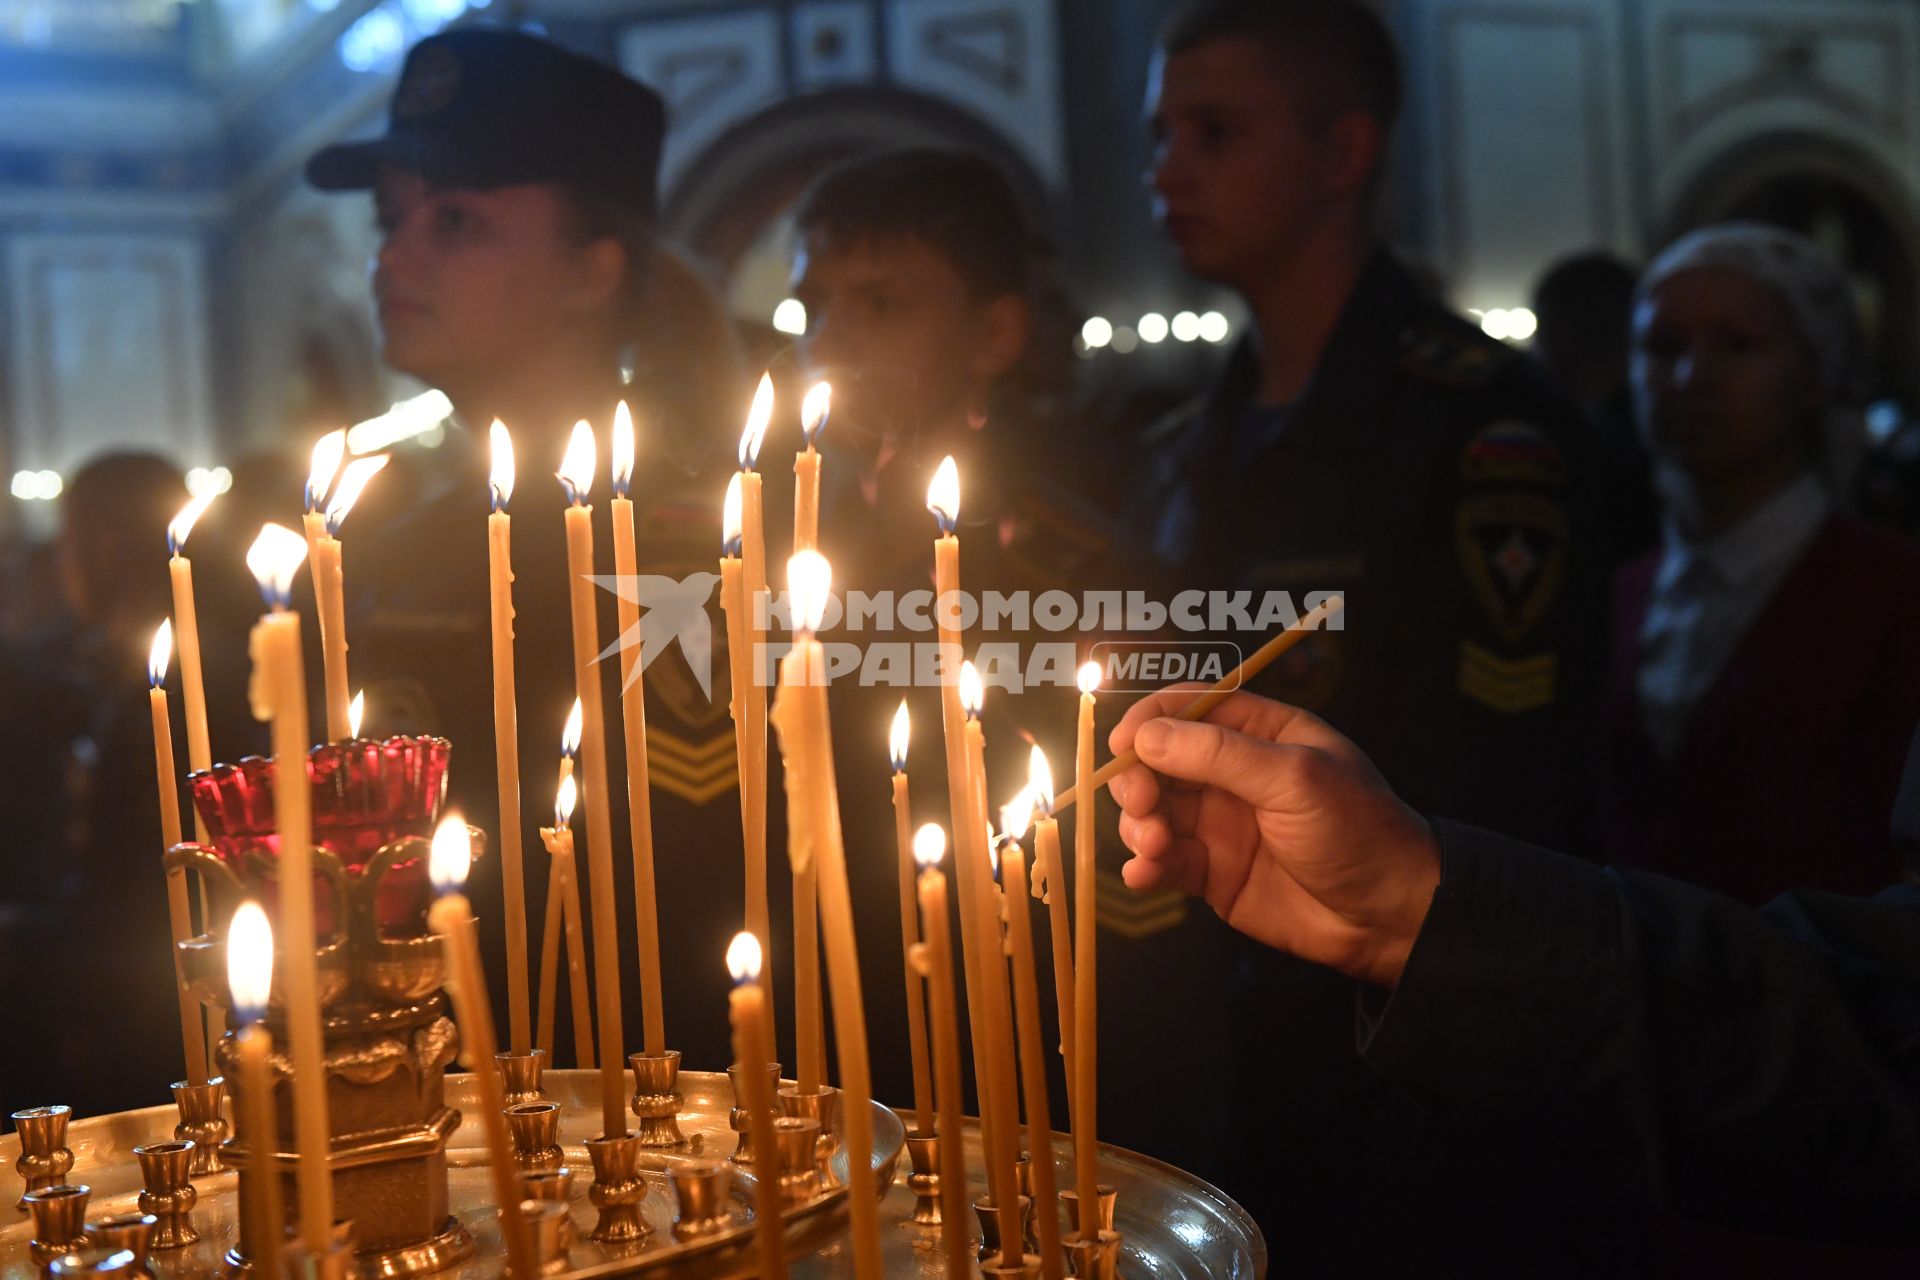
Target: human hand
x,y
1281,824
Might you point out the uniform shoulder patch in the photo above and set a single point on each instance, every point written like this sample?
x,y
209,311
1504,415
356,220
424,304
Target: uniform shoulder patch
x,y
1450,352
1508,685
1133,915
1512,452
1512,546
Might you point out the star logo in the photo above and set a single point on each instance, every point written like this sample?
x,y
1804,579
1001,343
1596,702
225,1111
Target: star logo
x,y
676,612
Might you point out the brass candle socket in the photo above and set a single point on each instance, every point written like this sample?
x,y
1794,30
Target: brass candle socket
x,y
165,1168
1105,1198
554,1186
703,1194
335,1264
548,1230
132,1232
821,1107
93,1260
923,1151
59,1220
1099,1260
535,1127
520,1075
1023,1182
993,1223
798,1141
737,1117
618,1190
201,1122
44,1159
656,1098
1028,1268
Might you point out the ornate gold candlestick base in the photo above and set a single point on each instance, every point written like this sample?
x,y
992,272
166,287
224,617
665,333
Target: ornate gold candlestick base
x,y
822,1108
520,1075
201,1122
1097,1261
165,1168
44,1159
535,1127
618,1189
548,1229
923,1152
701,1192
554,1186
798,1140
132,1232
656,1098
737,1117
59,1220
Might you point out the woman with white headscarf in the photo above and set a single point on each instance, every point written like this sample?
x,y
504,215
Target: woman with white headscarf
x,y
1766,669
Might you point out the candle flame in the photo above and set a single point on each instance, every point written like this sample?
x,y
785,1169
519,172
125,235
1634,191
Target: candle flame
x,y
328,453
973,692
1089,677
500,482
743,958
809,582
452,854
898,737
356,711
730,518
564,800
943,494
929,845
570,735
273,559
352,481
160,654
182,525
814,408
576,465
1040,781
758,416
622,449
1017,814
250,961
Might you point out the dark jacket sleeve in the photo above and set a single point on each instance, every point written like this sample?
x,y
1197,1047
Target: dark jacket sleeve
x,y
1752,1067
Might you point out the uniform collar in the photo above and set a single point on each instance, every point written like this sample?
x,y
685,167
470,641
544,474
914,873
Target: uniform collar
x,y
1769,538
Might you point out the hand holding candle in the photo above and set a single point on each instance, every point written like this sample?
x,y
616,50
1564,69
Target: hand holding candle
x,y
250,977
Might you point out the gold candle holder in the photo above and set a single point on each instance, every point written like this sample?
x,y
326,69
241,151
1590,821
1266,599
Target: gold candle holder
x,y
702,1192
520,1073
1097,1261
165,1168
923,1152
798,1140
132,1232
201,1122
94,1260
821,1107
550,1232
335,1264
993,1223
554,1186
59,1220
618,1190
737,1116
1105,1199
1029,1219
44,1159
535,1127
656,1098
1028,1268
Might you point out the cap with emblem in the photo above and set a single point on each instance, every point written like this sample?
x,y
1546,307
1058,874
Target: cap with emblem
x,y
480,107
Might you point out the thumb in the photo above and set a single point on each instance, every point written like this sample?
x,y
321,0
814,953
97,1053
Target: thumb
x,y
1261,773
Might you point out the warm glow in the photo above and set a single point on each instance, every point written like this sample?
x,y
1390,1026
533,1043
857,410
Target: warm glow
x,y
356,710
813,410
273,559
1089,677
452,854
160,654
622,449
743,958
809,582
576,466
758,416
1017,815
943,495
898,737
929,845
182,525
352,481
327,456
1040,781
570,735
973,692
500,482
249,961
730,518
564,800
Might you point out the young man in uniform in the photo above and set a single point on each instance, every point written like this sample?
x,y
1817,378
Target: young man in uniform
x,y
1365,440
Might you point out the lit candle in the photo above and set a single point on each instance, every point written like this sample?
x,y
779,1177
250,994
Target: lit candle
x,y
1048,872
806,468
250,977
563,902
897,741
452,918
576,476
936,956
570,739
278,692
506,731
806,743
1033,1060
178,912
1086,1050
328,453
751,723
330,589
751,1053
186,630
633,719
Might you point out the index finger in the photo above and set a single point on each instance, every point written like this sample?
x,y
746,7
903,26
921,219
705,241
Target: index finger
x,y
1243,712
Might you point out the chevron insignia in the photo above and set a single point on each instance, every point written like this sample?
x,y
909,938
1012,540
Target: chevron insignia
x,y
1503,684
1135,915
697,772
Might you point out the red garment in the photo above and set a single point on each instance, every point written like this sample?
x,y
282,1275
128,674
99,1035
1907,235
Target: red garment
x,y
1786,776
